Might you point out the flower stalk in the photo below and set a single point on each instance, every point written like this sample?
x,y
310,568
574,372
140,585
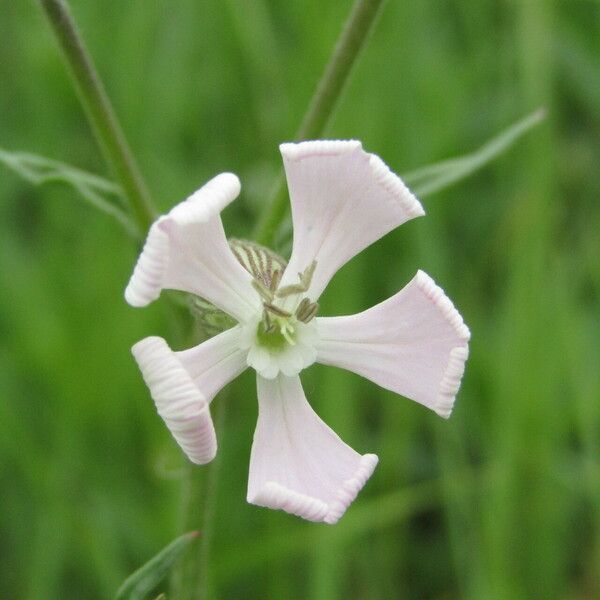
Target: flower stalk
x,y
99,110
352,40
190,579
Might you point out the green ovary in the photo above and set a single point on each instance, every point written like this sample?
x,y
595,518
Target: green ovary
x,y
283,335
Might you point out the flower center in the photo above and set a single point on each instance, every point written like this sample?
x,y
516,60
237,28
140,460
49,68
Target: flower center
x,y
278,324
282,337
281,333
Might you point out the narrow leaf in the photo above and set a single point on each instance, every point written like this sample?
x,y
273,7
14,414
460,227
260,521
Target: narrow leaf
x,y
102,194
433,178
145,579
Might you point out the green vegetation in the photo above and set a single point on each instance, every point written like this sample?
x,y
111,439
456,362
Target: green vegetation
x,y
500,502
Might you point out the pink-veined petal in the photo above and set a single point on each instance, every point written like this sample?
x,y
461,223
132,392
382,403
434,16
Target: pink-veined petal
x,y
298,463
187,250
343,199
182,384
415,344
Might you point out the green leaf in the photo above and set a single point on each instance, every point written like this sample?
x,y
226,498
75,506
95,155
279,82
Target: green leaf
x,y
145,579
102,194
433,178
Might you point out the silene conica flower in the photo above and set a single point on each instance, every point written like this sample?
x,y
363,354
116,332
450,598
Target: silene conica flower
x,y
415,343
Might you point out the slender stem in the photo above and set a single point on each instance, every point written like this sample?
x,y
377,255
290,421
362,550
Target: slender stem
x,y
99,111
352,40
203,590
190,580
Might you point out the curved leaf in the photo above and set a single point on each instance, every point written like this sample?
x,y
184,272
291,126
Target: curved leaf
x,y
146,578
102,194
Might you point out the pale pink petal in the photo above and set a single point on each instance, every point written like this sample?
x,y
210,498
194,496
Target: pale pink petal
x,y
298,464
343,199
182,384
215,362
187,250
415,343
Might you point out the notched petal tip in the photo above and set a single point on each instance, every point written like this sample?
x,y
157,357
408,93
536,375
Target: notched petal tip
x,y
336,187
350,488
146,281
300,150
276,496
298,464
178,401
388,180
385,177
208,201
451,379
437,295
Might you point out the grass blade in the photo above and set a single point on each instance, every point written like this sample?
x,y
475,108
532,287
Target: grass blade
x,y
145,579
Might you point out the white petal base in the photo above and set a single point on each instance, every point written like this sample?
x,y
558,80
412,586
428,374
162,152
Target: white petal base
x,y
179,402
289,360
298,463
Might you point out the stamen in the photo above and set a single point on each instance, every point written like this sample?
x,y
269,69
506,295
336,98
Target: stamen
x,y
268,324
290,290
314,309
276,310
275,279
307,275
302,309
298,288
263,291
286,329
307,310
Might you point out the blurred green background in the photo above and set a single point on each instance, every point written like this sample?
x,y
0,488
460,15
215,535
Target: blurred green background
x,y
500,502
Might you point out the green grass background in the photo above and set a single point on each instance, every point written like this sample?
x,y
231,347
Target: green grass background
x,y
500,502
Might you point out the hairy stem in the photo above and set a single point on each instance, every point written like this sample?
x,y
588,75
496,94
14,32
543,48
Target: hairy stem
x,y
99,111
352,40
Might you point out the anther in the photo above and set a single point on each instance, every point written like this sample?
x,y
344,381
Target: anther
x,y
306,310
302,309
314,309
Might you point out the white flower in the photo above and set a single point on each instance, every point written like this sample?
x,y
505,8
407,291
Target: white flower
x,y
415,343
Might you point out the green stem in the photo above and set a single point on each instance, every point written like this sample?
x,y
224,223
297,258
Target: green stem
x,y
190,580
352,40
99,111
